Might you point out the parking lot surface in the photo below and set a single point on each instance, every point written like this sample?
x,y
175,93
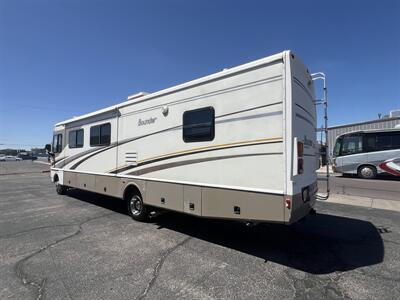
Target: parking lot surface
x,y
84,246
382,187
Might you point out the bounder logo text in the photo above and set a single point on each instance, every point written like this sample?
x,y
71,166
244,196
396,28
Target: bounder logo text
x,y
147,121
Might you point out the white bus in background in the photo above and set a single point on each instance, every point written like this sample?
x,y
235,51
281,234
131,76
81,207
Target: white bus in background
x,y
368,153
237,144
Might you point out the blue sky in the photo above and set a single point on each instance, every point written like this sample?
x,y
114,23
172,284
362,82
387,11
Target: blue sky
x,y
62,58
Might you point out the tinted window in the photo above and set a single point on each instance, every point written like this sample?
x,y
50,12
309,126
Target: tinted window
x,y
57,143
76,138
72,139
105,134
54,146
94,135
383,142
351,144
396,141
199,125
100,135
370,140
79,138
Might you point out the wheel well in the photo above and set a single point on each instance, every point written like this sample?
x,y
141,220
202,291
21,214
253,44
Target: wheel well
x,y
55,178
130,190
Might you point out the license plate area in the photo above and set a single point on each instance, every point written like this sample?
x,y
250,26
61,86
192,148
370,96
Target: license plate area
x,y
305,194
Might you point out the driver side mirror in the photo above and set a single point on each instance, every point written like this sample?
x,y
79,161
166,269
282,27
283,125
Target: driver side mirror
x,y
47,147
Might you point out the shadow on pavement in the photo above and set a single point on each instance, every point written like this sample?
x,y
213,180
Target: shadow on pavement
x,y
378,177
106,202
320,244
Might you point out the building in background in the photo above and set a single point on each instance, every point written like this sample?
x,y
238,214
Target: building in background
x,y
387,122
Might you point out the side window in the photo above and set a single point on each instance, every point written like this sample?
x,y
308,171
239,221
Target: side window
x,y
105,134
72,139
199,125
352,144
76,138
100,135
79,138
396,141
54,146
384,141
57,143
94,135
370,140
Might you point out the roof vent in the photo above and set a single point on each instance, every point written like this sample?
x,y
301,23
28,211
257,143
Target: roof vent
x,y
137,95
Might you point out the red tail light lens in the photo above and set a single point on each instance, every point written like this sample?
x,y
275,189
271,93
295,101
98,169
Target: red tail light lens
x,y
288,202
300,166
300,149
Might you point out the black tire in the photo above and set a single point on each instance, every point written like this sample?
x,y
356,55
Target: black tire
x,y
136,208
61,189
366,172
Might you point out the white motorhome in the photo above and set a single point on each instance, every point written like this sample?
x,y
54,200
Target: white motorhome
x,y
237,144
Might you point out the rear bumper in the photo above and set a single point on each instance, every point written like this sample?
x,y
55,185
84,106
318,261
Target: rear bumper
x,y
299,207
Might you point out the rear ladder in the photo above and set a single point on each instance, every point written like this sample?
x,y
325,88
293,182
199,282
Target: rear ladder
x,y
324,129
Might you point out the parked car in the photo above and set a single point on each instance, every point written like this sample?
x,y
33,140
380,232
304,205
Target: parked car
x,y
10,158
27,157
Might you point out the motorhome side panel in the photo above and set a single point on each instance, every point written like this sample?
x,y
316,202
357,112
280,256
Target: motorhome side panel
x,y
246,151
99,147
231,204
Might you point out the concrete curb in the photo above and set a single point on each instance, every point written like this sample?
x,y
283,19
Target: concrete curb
x,y
365,202
323,170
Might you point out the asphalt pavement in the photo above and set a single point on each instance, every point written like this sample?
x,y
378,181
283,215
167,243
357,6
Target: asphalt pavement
x,y
84,246
383,187
382,192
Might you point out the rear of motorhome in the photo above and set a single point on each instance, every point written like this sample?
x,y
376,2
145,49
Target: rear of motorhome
x,y
237,144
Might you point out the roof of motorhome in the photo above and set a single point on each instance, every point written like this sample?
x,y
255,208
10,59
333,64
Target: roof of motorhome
x,y
144,96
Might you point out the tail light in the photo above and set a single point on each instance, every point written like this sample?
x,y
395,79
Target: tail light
x,y
288,202
300,166
300,161
300,149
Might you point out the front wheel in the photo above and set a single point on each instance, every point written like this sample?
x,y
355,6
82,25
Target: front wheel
x,y
367,172
136,208
61,189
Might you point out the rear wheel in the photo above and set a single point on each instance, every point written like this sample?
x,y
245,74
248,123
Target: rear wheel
x,y
136,208
366,172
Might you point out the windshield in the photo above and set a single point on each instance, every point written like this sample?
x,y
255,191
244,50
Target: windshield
x,y
336,149
352,144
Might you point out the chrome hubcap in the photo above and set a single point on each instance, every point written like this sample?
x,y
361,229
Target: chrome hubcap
x,y
367,172
136,205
